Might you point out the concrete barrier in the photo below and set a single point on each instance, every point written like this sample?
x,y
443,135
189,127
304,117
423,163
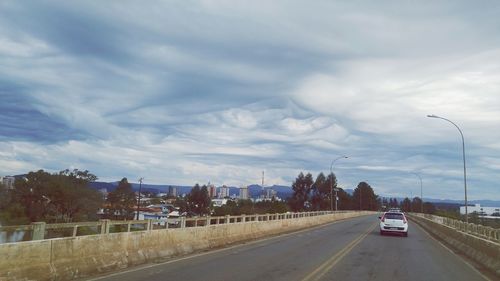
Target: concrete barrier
x,y
83,256
480,250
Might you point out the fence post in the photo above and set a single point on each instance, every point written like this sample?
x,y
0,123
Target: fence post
x,y
104,226
75,230
38,230
183,222
149,225
243,218
228,219
208,221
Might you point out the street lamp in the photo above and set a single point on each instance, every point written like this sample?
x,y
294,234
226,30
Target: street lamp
x,y
421,198
331,184
139,199
463,154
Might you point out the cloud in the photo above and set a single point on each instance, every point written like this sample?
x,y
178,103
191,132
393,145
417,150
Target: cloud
x,y
185,92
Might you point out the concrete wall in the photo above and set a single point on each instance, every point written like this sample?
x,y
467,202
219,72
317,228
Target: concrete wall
x,y
74,257
482,251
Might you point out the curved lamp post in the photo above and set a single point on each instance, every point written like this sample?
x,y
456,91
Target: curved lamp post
x,y
421,196
331,184
139,199
463,154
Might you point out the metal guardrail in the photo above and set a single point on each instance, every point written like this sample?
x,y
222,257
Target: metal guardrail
x,y
482,231
41,230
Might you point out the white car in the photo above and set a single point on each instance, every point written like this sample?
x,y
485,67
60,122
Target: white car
x,y
393,222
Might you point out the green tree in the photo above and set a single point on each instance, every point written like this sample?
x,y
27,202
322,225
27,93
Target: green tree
x,y
64,196
122,201
4,197
277,207
429,208
345,200
416,205
301,189
365,198
231,208
11,212
406,205
198,200
71,197
321,192
33,194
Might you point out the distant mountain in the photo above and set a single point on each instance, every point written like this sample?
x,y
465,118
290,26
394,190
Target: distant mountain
x,y
349,191
283,192
254,190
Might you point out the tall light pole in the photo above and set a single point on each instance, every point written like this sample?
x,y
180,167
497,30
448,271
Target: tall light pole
x,y
139,199
463,154
421,198
331,183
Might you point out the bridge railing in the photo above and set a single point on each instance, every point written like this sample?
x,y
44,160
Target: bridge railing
x,y
478,230
41,230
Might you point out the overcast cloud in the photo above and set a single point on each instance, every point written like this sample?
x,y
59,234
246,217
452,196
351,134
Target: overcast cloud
x,y
184,92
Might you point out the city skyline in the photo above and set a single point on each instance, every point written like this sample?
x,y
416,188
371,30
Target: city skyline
x,y
196,92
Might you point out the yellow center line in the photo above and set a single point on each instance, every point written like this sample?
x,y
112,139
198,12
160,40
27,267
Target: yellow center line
x,y
319,272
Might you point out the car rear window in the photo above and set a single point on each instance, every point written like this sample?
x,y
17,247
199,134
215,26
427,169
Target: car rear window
x,y
393,216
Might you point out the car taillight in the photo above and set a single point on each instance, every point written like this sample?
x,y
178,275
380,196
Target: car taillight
x,y
404,219
383,218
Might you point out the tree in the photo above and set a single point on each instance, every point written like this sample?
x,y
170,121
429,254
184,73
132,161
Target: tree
x,y
365,198
4,197
393,203
321,192
74,200
64,196
416,205
406,205
345,200
301,189
33,194
198,200
11,212
429,208
122,201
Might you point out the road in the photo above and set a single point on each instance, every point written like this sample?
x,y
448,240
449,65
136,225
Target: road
x,y
346,250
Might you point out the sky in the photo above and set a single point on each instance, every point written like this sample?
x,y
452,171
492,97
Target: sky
x,y
185,92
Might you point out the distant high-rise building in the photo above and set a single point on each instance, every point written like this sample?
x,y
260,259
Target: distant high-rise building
x,y
270,193
212,191
223,192
172,191
244,193
8,181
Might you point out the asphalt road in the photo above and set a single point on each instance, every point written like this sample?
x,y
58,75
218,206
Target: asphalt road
x,y
345,250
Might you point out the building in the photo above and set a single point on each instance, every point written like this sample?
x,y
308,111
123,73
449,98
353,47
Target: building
x,y
270,193
172,191
8,181
223,192
481,211
212,191
219,202
244,193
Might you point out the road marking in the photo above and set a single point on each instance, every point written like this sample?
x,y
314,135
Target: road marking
x,y
319,272
214,251
454,254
